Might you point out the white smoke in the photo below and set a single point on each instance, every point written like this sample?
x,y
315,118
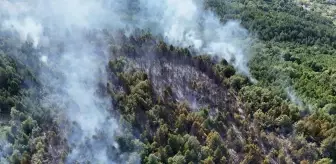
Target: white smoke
x,y
186,23
26,28
183,23
293,97
49,23
5,148
81,71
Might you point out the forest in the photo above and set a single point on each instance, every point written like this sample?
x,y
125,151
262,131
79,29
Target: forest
x,y
175,107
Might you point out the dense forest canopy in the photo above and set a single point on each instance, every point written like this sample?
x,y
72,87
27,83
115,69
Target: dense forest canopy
x,y
156,86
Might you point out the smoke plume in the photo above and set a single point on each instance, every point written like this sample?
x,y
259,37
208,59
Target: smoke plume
x,y
59,30
187,24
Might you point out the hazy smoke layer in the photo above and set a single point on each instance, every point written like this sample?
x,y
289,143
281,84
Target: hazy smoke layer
x,y
182,23
186,23
63,32
59,28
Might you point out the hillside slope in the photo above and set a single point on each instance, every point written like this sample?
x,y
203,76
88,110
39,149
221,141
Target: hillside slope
x,y
134,96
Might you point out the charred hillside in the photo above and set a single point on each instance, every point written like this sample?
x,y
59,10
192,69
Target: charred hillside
x,y
190,108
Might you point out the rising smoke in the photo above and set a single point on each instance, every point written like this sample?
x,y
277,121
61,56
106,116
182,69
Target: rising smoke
x,y
5,148
49,24
293,97
187,24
